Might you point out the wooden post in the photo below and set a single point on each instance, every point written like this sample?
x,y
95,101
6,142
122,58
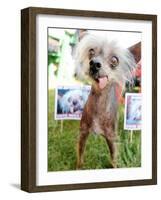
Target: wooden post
x,y
61,126
131,135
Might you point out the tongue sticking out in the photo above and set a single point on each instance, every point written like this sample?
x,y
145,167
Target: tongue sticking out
x,y
102,82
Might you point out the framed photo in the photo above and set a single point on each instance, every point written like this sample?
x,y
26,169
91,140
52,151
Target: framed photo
x,y
70,101
85,74
132,118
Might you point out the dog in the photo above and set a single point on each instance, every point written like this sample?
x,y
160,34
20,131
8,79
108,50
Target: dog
x,y
107,66
72,102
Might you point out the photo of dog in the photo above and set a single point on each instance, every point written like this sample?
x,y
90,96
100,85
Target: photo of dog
x,y
71,101
90,73
133,111
108,66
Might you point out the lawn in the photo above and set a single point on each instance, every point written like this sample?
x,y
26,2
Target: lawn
x,y
63,136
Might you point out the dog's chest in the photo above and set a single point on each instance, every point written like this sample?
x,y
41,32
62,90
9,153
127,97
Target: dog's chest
x,y
100,114
96,128
104,111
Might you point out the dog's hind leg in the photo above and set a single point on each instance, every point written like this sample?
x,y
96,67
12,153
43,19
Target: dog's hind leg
x,y
81,146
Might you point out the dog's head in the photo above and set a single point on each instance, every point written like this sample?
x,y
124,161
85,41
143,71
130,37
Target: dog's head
x,y
103,61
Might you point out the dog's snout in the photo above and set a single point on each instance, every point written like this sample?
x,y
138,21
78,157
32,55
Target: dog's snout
x,y
94,66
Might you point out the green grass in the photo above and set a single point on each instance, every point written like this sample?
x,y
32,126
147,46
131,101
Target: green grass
x,y
62,139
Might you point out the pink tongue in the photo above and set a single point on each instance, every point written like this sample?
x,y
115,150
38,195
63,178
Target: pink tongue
x,y
102,82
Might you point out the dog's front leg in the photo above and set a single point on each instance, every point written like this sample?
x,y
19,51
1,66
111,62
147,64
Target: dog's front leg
x,y
84,132
113,152
111,141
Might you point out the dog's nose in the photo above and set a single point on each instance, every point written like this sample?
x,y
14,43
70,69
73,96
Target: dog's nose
x,y
94,66
75,102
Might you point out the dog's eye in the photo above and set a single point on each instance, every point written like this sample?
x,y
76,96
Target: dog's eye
x,y
91,53
114,61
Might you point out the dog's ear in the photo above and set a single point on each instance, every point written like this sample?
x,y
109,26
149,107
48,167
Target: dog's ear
x,y
82,33
136,51
79,72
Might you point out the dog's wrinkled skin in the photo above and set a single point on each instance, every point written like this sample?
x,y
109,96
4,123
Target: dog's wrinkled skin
x,y
107,66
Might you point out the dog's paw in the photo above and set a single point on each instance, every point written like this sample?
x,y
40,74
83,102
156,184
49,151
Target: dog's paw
x,y
78,166
114,164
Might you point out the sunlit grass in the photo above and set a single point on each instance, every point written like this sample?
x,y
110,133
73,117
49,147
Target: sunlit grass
x,y
63,136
